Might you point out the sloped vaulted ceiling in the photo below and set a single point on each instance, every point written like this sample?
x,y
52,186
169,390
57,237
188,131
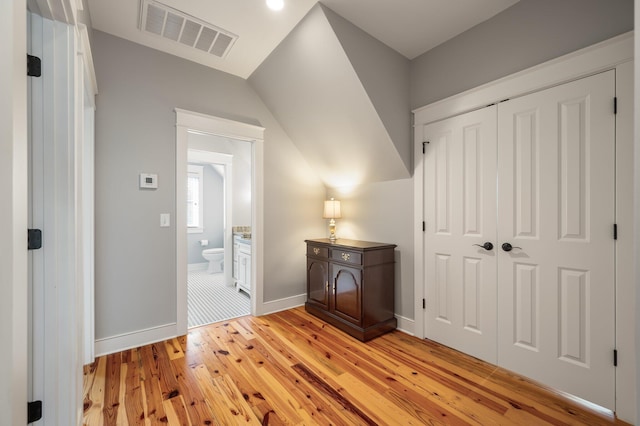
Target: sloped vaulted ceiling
x,y
343,97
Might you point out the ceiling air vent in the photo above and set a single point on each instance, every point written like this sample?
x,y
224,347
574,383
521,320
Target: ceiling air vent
x,y
167,22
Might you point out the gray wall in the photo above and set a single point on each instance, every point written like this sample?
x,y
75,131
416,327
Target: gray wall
x,y
315,91
383,212
135,271
139,87
384,74
524,35
636,180
213,223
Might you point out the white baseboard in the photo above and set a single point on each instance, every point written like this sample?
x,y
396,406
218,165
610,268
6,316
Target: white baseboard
x,y
197,266
406,325
282,304
135,339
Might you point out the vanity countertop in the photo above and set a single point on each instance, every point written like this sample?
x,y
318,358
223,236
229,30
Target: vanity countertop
x,y
242,237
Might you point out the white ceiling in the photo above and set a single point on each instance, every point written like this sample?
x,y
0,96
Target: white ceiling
x,y
411,27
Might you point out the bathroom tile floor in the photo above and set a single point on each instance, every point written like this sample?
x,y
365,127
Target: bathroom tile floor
x,y
210,300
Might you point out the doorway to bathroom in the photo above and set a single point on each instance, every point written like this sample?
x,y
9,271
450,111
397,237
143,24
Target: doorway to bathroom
x,y
218,219
218,228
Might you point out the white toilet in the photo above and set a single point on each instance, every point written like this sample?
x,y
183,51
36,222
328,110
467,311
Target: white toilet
x,y
215,256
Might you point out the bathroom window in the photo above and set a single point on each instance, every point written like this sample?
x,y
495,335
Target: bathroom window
x,y
195,205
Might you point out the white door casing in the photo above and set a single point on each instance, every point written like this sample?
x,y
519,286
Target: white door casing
x,y
556,198
186,121
13,214
460,217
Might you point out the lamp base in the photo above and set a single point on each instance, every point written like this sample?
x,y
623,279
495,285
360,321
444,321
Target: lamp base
x,y
332,230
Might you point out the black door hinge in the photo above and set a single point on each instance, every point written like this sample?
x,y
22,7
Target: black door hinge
x,y
424,304
34,239
615,105
34,66
424,144
615,357
424,226
34,411
615,231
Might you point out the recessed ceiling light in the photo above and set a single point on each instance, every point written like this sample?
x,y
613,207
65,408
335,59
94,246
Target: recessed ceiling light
x,y
275,4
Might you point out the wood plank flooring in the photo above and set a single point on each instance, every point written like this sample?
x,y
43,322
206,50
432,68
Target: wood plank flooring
x,y
290,368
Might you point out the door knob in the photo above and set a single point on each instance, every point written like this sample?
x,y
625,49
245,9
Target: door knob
x,y
487,246
508,247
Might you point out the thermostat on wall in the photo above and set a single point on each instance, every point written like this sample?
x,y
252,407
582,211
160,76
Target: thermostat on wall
x,y
148,181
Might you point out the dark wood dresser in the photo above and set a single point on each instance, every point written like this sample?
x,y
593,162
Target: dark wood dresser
x,y
350,284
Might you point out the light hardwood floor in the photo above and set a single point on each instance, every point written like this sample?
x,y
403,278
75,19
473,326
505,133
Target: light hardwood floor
x,y
290,368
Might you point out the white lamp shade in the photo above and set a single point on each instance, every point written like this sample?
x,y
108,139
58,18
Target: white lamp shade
x,y
332,209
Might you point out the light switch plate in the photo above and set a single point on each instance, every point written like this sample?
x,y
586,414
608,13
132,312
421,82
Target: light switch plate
x,y
148,181
165,220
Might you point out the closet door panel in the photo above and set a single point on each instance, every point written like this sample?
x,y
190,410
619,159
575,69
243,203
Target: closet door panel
x,y
526,171
526,286
459,211
556,170
573,169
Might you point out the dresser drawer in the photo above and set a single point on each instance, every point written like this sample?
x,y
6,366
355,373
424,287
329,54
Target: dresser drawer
x,y
346,256
317,251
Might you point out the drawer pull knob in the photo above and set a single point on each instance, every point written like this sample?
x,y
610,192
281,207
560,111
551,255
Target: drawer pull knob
x,y
316,251
346,256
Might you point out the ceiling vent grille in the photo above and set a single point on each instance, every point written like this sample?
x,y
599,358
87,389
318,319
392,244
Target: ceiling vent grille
x,y
166,22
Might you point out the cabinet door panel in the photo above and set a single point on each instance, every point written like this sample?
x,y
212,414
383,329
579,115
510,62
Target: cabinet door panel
x,y
318,283
347,293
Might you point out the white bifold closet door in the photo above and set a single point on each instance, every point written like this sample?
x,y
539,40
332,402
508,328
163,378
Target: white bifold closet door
x,y
556,199
550,305
460,216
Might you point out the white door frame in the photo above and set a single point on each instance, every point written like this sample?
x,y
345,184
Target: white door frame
x,y
615,53
226,160
62,139
188,120
85,110
13,215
